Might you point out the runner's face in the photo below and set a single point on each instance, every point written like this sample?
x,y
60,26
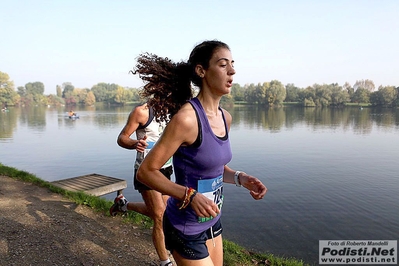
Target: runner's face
x,y
219,76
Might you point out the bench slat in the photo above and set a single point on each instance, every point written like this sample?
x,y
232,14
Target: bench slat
x,y
94,184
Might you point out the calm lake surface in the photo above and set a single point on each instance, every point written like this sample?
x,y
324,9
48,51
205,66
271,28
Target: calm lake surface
x,y
331,173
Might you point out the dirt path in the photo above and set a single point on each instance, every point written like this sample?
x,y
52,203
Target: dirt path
x,y
39,227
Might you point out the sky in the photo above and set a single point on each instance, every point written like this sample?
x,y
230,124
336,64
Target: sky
x,y
303,42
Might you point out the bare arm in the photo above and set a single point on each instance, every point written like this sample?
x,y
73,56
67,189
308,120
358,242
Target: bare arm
x,y
181,130
137,117
254,185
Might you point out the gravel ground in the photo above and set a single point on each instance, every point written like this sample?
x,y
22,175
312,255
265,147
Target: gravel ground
x,y
39,227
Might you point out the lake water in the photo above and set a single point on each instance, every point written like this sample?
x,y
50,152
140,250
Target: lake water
x,y
331,173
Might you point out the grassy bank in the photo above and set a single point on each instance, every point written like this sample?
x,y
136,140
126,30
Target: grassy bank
x,y
234,255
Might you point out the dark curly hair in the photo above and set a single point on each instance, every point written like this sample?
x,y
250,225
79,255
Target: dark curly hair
x,y
168,84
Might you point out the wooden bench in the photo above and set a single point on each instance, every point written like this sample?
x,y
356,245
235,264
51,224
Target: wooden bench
x,y
94,184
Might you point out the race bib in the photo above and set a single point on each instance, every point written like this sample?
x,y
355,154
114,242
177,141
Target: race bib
x,y
212,189
149,147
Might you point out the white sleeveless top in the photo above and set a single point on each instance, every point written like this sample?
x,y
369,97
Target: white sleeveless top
x,y
153,130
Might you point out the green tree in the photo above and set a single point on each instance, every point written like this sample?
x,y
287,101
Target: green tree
x,y
105,92
227,100
8,95
55,100
21,91
90,99
34,93
237,92
349,89
34,88
67,89
387,95
249,93
397,98
275,93
292,93
322,95
260,93
339,95
135,95
100,92
308,102
307,96
361,95
59,91
70,97
375,98
122,95
365,84
80,95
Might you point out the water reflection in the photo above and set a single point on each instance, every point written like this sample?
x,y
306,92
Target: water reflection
x,y
65,121
8,123
360,121
34,117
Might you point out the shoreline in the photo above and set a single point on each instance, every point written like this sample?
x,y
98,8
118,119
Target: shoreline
x,y
77,225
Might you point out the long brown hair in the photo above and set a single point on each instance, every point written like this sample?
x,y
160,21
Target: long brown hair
x,y
168,84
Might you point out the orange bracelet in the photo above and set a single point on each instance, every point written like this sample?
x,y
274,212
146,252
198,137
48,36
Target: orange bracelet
x,y
190,193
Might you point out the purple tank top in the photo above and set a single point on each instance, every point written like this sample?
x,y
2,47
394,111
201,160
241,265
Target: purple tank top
x,y
200,166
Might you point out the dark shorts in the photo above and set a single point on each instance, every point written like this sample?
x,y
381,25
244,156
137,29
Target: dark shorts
x,y
192,247
168,171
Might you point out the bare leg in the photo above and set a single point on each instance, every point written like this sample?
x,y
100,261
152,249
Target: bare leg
x,y
215,249
154,208
139,207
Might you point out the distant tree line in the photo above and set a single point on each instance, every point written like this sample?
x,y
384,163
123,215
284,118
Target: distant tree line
x,y
274,93
66,94
270,94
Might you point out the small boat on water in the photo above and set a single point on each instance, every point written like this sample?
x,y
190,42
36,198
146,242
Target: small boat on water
x,y
72,115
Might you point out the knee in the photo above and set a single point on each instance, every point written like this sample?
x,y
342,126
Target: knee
x,y
157,216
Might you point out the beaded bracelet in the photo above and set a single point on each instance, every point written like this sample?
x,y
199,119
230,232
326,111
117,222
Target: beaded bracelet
x,y
185,197
189,195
